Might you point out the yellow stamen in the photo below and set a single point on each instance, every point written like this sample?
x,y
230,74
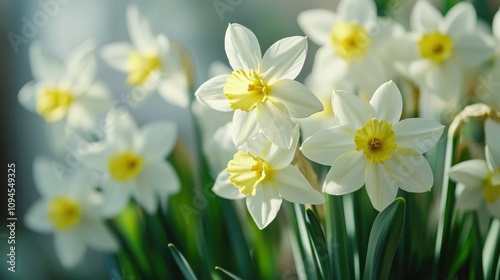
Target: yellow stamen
x,y
64,212
245,90
140,66
435,46
125,166
53,103
491,192
376,139
350,40
246,172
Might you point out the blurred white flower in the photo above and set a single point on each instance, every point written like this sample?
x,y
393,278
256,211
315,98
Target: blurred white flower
x,y
65,92
350,40
371,146
261,90
219,149
262,173
480,179
133,163
440,49
150,62
69,209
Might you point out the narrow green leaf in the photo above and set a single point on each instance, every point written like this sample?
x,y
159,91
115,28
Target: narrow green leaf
x,y
319,242
491,250
182,263
384,239
337,240
228,273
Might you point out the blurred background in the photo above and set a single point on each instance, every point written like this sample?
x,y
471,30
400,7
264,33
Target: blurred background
x,y
62,25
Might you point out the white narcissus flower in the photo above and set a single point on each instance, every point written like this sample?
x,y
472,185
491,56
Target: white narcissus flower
x,y
262,173
480,179
133,163
69,209
65,92
371,146
261,90
441,48
350,42
150,61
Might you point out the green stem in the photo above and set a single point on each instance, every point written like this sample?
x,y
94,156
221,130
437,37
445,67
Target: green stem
x,y
337,238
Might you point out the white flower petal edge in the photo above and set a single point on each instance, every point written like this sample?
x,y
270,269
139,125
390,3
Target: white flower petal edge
x,y
293,187
284,59
264,206
470,173
317,24
242,47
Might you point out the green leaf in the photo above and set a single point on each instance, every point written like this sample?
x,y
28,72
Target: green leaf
x,y
491,250
338,243
319,242
384,239
228,273
182,263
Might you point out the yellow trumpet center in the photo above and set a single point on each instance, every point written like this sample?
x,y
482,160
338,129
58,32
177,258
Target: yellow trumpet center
x,y
350,40
64,212
376,139
125,166
246,172
140,66
53,103
491,192
245,90
435,46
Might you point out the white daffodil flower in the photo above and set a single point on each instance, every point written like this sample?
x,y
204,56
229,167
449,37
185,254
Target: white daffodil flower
x,y
261,90
65,92
480,179
441,48
69,209
262,173
350,39
220,148
371,146
133,163
150,61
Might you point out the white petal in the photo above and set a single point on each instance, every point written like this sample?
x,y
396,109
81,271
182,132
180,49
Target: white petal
x,y
224,188
381,189
116,197
48,182
218,68
139,30
418,134
326,145
120,128
490,159
70,247
244,125
492,133
471,173
278,157
460,19
347,174
297,98
418,70
97,154
146,197
445,80
264,206
494,208
410,170
328,67
100,238
350,110
276,125
28,96
387,102
37,219
425,17
211,94
473,49
156,139
284,59
317,24
116,55
368,74
161,177
242,48
470,199
44,66
81,182
293,187
96,99
359,11
174,89
496,25
81,65
78,118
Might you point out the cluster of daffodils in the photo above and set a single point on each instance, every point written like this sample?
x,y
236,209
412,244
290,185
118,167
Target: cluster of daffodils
x,y
349,121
